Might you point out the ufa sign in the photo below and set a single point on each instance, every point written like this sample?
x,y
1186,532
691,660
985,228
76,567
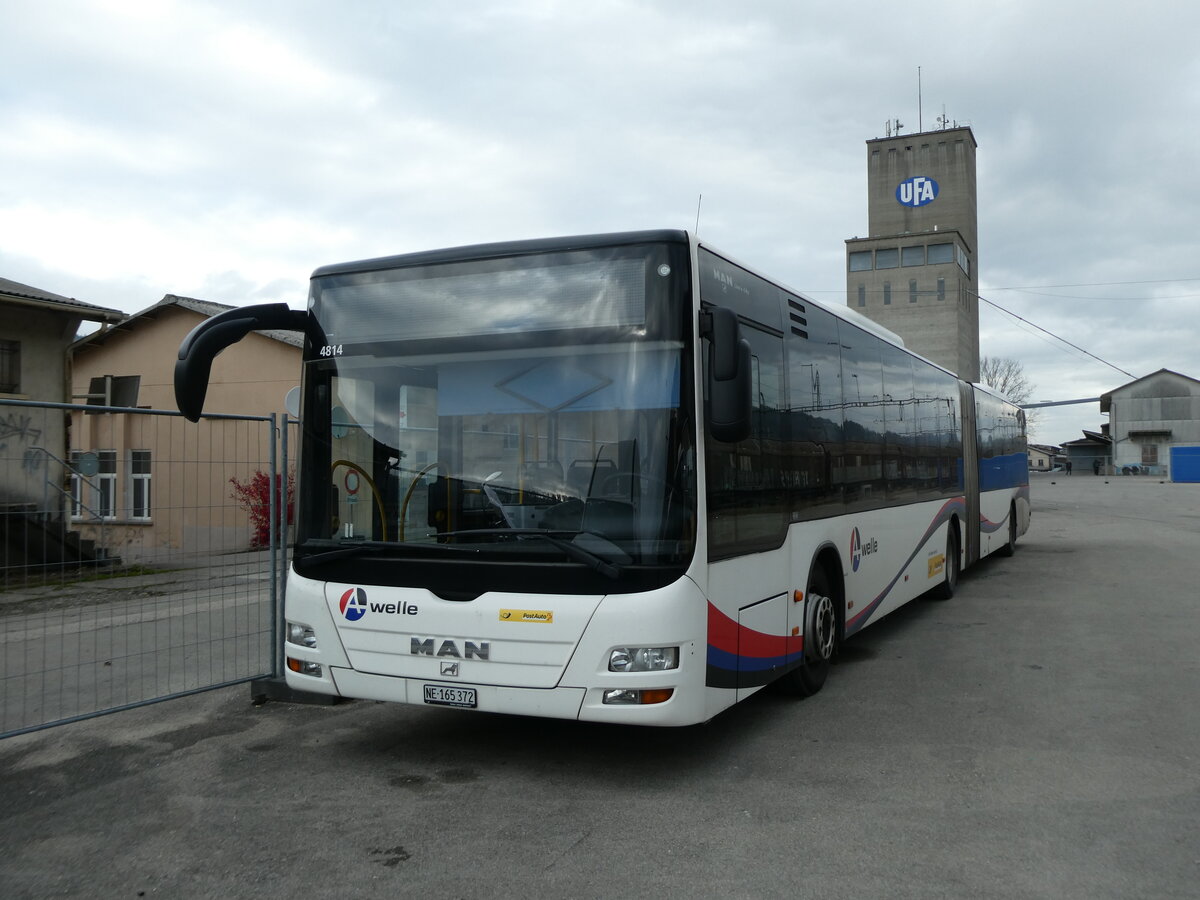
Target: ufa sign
x,y
917,191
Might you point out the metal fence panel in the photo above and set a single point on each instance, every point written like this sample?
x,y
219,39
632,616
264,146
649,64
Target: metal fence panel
x,y
139,558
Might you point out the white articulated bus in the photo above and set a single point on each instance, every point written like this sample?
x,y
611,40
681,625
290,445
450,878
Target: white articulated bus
x,y
616,478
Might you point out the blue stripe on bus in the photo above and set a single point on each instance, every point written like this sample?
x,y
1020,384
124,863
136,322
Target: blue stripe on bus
x,y
1001,472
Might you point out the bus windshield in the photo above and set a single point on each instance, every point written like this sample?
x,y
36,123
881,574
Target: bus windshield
x,y
443,433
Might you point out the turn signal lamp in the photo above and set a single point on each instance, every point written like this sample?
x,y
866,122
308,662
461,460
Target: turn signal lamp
x,y
304,667
635,697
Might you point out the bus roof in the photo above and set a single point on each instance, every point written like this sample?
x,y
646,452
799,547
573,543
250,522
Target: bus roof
x,y
505,248
589,241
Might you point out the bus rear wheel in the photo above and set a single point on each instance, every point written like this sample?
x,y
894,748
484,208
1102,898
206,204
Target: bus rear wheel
x,y
946,589
820,638
1011,547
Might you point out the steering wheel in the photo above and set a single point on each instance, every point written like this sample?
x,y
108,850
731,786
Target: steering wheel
x,y
490,493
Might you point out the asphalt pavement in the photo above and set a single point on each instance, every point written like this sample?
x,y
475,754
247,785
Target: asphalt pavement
x,y
1036,736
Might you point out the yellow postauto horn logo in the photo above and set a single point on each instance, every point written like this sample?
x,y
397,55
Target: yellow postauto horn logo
x,y
544,616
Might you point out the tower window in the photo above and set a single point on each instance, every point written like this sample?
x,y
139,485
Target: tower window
x,y
887,259
941,253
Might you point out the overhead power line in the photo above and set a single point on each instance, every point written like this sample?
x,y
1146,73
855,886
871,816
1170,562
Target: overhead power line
x,y
1055,336
1030,287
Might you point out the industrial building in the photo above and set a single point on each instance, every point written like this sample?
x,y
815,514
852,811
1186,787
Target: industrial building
x,y
916,272
1154,426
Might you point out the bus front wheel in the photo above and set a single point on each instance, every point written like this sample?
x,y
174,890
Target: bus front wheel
x,y
820,638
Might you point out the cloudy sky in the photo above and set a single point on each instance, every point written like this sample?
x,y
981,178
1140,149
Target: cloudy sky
x,y
223,150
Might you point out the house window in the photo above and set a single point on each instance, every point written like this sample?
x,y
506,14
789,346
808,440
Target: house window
x,y
106,485
862,295
76,487
139,483
887,293
887,259
1149,454
10,367
941,289
860,261
912,290
912,256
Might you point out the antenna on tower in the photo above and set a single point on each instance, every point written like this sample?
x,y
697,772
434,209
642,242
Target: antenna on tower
x,y
920,111
942,120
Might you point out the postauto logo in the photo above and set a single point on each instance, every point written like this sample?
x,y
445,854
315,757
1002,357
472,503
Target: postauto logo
x,y
860,548
919,190
353,604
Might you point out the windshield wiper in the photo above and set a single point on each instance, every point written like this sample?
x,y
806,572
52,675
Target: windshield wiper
x,y
581,555
343,552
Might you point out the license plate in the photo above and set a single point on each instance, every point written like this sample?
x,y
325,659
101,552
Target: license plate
x,y
444,695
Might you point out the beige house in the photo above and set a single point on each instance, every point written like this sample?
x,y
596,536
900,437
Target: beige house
x,y
1042,457
146,483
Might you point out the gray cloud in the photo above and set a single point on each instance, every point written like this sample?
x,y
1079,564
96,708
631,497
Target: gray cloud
x,y
224,150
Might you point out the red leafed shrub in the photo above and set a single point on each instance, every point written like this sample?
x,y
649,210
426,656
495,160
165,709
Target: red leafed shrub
x,y
254,495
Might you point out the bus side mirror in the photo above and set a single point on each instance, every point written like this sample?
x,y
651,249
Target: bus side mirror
x,y
729,384
211,336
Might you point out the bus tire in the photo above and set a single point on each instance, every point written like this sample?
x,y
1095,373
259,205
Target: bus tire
x,y
820,637
1011,547
946,589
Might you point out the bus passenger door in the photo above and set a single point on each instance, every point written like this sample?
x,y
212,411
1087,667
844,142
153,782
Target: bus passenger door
x,y
762,644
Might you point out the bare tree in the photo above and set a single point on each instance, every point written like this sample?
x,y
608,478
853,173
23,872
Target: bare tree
x,y
1007,375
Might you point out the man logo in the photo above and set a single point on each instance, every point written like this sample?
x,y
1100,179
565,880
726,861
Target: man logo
x,y
919,190
353,604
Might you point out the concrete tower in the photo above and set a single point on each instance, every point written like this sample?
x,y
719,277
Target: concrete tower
x,y
917,271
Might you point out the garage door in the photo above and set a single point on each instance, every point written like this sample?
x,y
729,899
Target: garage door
x,y
1185,463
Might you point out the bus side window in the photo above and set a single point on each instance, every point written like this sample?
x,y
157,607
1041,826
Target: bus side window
x,y
814,413
749,506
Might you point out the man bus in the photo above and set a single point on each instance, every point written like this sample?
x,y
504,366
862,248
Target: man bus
x,y
616,478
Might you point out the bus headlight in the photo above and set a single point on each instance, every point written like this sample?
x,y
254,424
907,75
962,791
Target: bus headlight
x,y
643,659
301,635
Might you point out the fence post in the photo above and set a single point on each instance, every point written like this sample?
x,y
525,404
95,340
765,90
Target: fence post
x,y
272,545
282,566
275,687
